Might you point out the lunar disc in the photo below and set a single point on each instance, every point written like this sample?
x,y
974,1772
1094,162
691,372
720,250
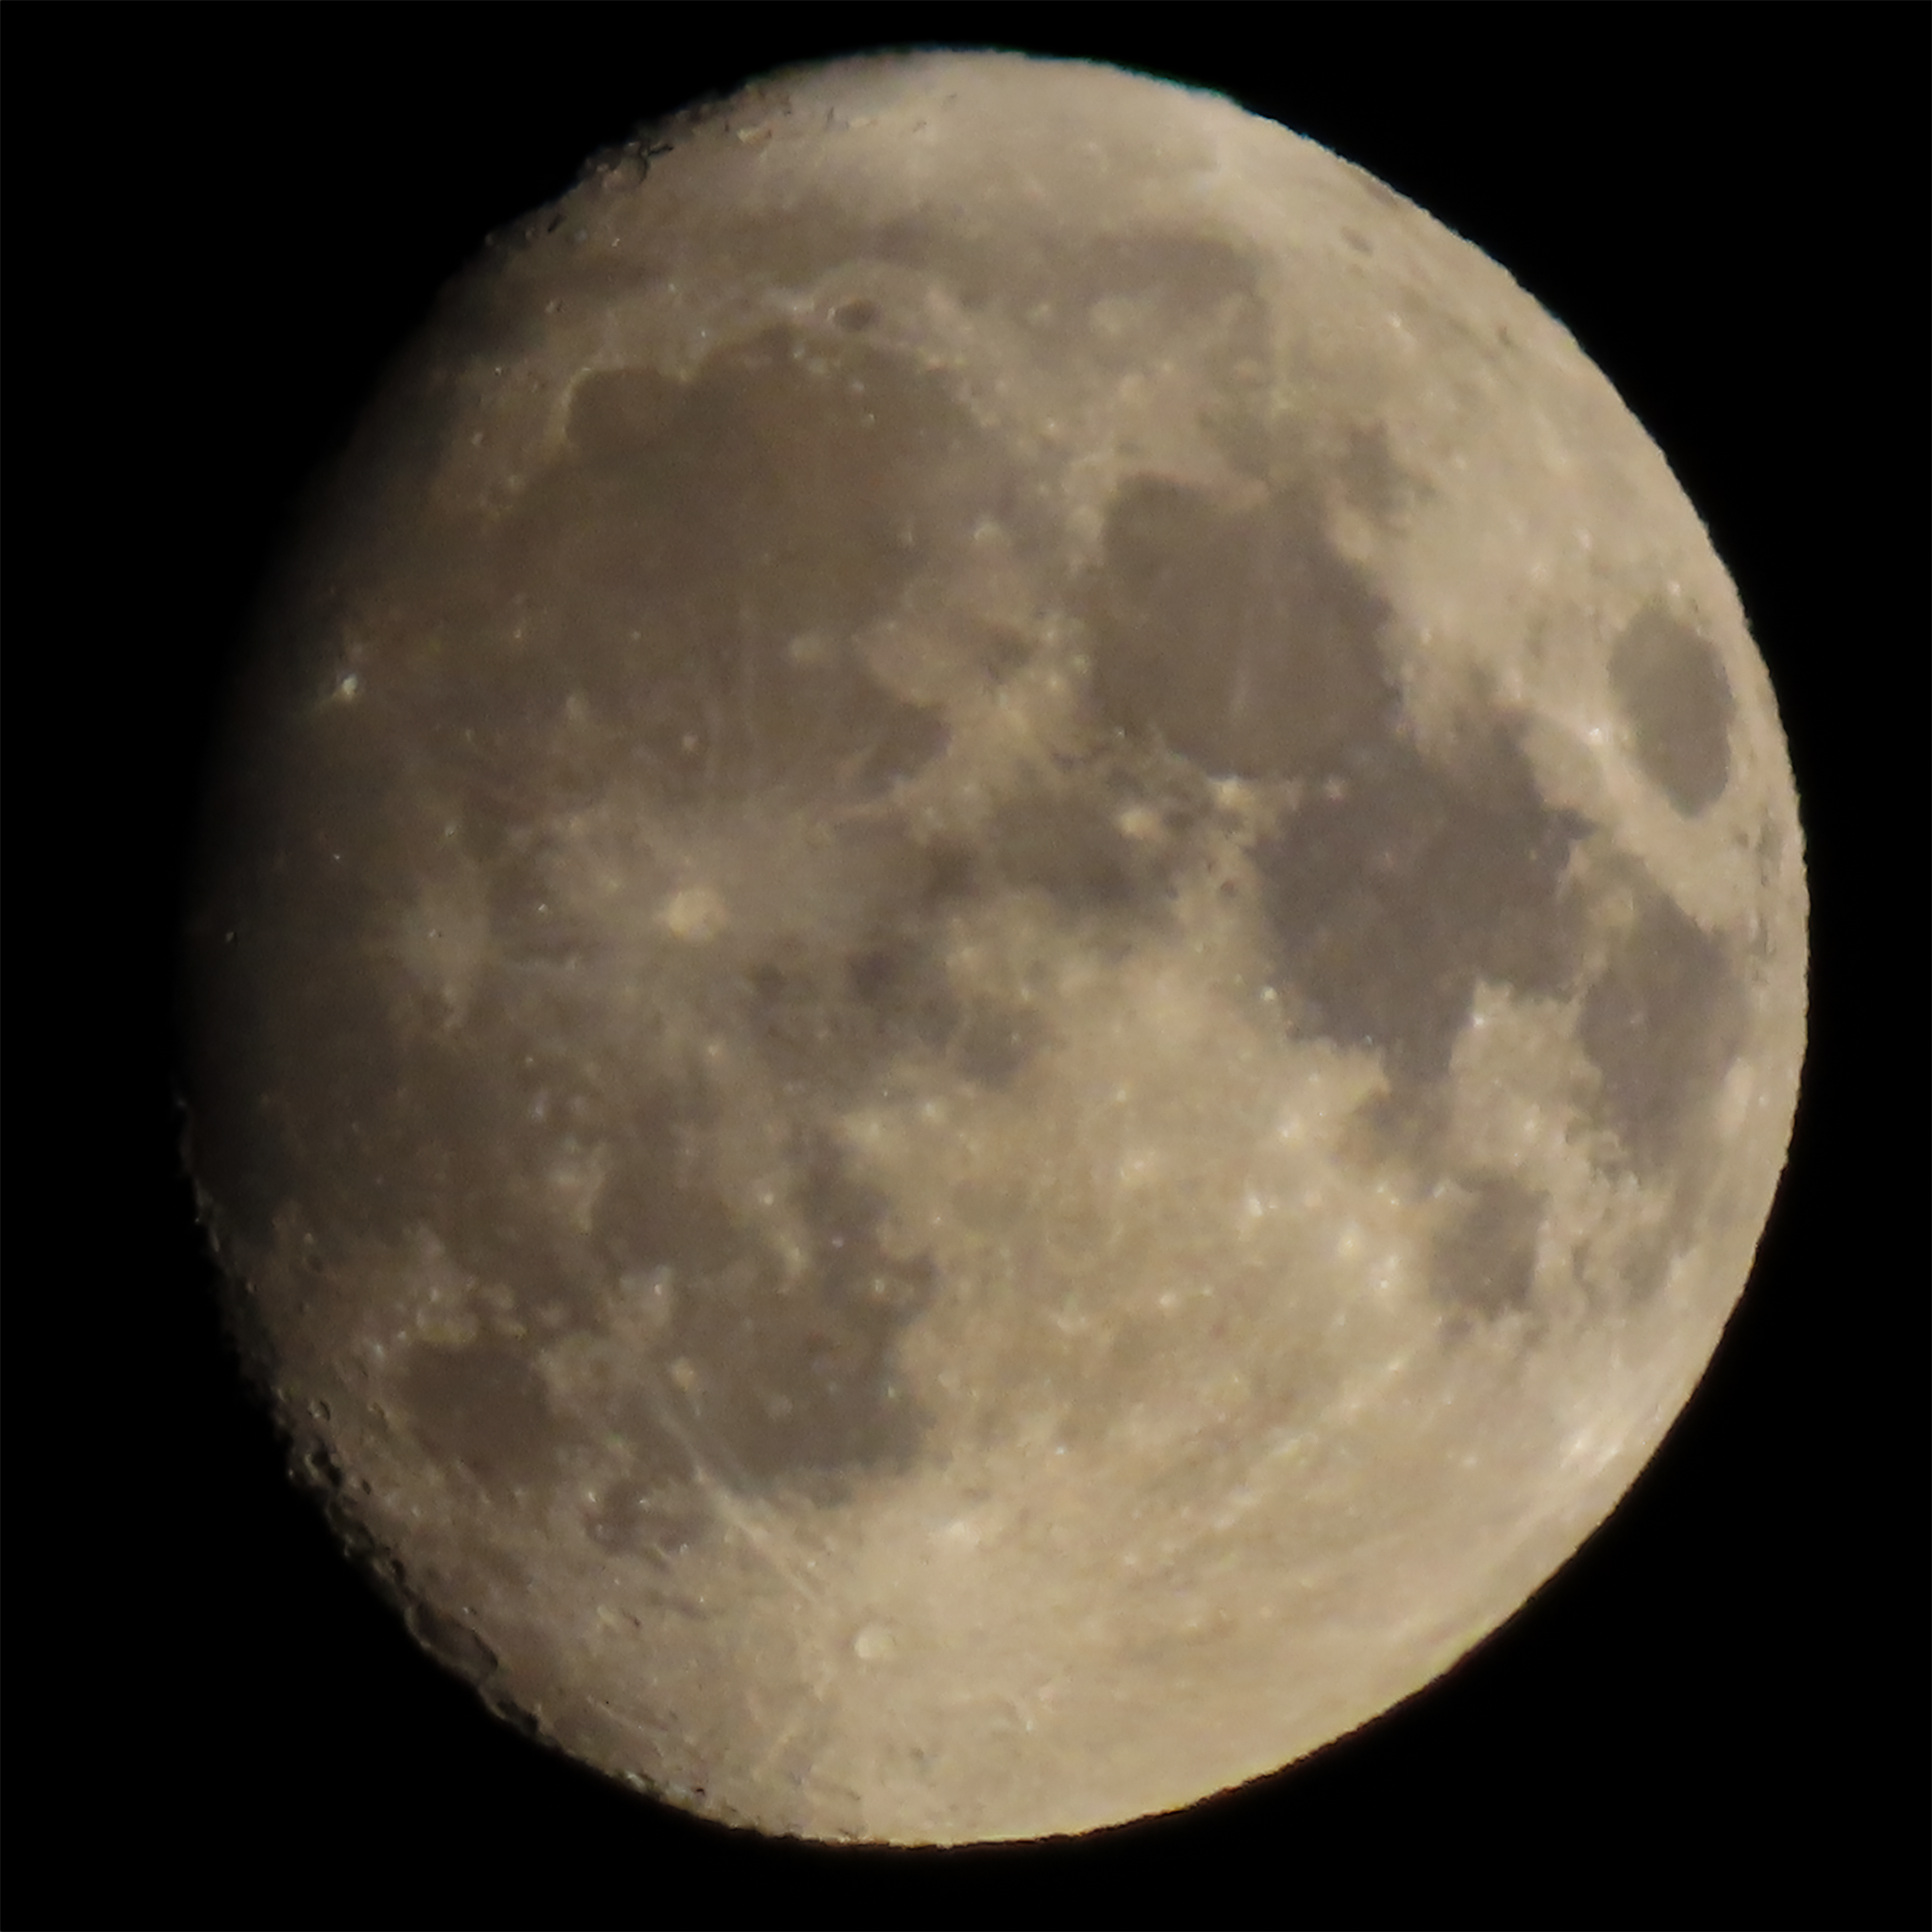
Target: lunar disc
x,y
1001,957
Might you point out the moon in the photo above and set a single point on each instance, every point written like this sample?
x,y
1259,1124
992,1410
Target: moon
x,y
1001,963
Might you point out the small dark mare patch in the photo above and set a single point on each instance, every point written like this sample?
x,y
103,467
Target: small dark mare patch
x,y
1393,891
1239,639
1484,1260
1671,686
1660,1023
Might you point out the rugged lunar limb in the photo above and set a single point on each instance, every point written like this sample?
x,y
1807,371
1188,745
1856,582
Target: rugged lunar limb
x,y
1002,966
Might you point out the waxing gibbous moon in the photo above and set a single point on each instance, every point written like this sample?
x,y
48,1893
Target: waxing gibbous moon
x,y
1001,957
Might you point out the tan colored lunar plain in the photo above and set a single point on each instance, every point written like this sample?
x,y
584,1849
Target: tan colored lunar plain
x,y
1002,963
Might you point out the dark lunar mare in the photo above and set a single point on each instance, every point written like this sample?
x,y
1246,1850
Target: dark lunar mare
x,y
1404,877
653,586
673,604
1671,686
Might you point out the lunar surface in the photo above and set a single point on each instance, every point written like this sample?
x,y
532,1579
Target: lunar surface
x,y
1001,959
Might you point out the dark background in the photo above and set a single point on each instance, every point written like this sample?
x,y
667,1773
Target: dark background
x,y
218,224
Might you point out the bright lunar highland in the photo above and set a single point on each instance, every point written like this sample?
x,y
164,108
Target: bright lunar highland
x,y
1000,961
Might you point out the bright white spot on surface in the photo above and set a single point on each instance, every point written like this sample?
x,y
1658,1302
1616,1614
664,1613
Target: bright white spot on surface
x,y
696,914
876,1643
649,1303
1735,1098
